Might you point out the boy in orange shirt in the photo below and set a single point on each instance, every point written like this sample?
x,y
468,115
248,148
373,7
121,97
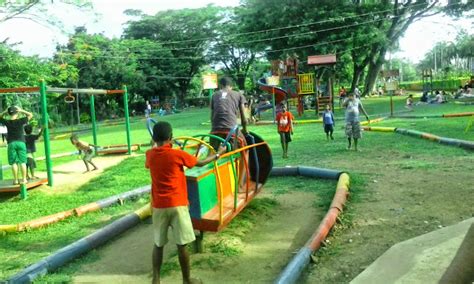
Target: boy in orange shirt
x,y
169,197
285,128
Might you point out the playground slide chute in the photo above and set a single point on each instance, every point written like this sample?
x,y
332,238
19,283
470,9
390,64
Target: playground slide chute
x,y
81,210
280,94
295,267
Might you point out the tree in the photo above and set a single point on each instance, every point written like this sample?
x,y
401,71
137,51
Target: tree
x,y
186,34
237,58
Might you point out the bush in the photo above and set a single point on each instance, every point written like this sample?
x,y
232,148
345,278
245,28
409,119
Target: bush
x,y
85,117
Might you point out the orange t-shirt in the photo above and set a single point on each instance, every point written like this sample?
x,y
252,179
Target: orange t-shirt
x,y
168,182
284,121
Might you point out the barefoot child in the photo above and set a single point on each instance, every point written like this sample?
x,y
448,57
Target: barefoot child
x,y
285,128
30,140
87,151
169,197
328,121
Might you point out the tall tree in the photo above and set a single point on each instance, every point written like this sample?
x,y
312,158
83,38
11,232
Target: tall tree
x,y
186,33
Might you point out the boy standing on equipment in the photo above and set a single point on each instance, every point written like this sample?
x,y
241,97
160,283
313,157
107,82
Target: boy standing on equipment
x,y
87,151
16,140
31,150
169,197
285,128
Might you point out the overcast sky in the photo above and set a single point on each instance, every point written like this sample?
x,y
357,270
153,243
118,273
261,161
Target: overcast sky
x,y
109,19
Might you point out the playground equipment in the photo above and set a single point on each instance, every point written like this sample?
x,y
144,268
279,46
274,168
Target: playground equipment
x,y
214,193
43,90
295,267
98,238
324,63
427,80
78,211
468,145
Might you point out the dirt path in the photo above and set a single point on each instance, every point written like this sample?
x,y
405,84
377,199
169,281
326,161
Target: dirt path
x,y
264,251
70,176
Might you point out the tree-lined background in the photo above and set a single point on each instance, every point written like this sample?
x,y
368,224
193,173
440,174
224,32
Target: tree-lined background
x,y
165,54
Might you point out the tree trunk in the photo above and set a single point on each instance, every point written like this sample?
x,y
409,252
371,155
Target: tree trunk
x,y
358,70
374,68
241,81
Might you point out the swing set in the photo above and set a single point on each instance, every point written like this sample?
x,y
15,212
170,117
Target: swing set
x,y
43,90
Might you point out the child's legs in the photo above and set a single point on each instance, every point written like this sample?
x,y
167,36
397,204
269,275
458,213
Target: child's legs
x,y
157,260
15,172
282,140
183,233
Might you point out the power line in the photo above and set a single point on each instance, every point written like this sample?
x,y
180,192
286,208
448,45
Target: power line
x,y
294,26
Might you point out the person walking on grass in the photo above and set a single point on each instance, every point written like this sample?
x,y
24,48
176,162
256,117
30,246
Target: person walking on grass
x,y
16,140
328,121
169,197
284,121
87,151
353,130
30,140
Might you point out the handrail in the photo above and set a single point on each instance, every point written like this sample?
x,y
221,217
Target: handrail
x,y
186,138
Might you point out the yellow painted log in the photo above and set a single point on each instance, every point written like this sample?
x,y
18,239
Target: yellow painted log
x,y
144,212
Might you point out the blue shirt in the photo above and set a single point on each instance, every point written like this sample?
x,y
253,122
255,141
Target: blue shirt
x,y
328,117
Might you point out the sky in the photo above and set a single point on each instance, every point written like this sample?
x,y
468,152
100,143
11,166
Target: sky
x,y
39,40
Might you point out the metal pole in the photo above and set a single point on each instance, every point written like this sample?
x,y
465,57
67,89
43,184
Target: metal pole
x,y
273,103
45,120
77,110
23,191
94,126
127,118
210,96
391,103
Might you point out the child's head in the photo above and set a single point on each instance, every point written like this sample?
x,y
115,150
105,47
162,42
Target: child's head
x,y
328,107
74,138
225,82
28,129
12,110
350,96
410,96
283,107
162,131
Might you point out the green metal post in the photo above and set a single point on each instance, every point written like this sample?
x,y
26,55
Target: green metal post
x,y
94,125
1,171
210,96
23,191
127,119
45,124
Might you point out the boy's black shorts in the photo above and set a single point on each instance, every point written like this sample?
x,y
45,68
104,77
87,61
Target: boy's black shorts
x,y
31,163
328,128
285,137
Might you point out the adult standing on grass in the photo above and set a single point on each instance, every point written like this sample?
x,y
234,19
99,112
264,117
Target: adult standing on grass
x,y
169,197
353,131
16,140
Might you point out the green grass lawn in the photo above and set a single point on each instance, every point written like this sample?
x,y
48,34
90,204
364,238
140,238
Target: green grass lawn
x,y
309,148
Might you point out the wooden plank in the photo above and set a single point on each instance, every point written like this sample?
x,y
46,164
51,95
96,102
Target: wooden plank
x,y
210,221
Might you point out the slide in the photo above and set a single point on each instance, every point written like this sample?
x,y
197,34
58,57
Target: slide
x,y
280,94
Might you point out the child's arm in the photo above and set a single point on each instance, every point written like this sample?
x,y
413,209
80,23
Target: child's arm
x,y
333,120
361,107
29,115
291,124
211,158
